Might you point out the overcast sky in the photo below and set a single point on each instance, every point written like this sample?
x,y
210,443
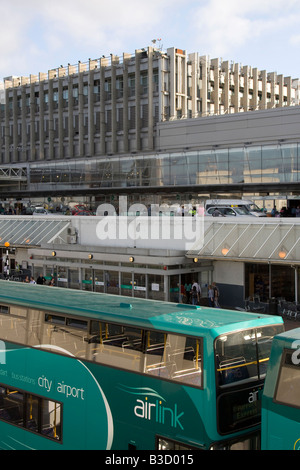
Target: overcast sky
x,y
38,35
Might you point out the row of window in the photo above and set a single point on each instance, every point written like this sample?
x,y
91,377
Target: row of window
x,y
132,115
166,355
161,354
31,412
29,100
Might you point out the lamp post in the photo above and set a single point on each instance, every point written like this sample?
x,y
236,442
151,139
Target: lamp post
x,y
7,245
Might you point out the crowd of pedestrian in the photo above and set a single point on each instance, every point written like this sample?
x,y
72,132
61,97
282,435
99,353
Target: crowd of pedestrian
x,y
40,280
191,294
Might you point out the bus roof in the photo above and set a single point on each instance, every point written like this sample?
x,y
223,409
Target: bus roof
x,y
288,336
143,313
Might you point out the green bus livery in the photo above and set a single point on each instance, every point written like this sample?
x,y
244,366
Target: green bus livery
x,y
280,428
84,370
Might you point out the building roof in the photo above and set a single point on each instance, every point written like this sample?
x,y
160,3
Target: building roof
x,y
265,240
31,231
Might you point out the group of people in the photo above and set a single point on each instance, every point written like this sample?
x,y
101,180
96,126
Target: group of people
x,y
40,280
286,212
192,293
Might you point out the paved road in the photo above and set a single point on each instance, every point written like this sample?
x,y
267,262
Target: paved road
x,y
291,324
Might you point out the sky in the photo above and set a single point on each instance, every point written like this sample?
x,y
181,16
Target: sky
x,y
37,36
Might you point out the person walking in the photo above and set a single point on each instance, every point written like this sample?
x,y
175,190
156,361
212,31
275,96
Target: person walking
x,y
210,296
41,280
194,295
188,288
216,295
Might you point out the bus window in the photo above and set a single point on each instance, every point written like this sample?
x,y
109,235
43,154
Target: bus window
x,y
32,413
288,384
244,355
43,416
116,345
157,358
163,443
51,419
174,357
11,405
264,343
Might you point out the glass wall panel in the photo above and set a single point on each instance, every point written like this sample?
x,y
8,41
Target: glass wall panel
x,y
163,175
221,161
290,159
126,284
174,288
272,164
112,282
87,279
236,165
283,282
178,169
62,277
148,171
49,276
156,287
257,281
206,167
74,278
252,165
99,280
140,285
128,172
192,167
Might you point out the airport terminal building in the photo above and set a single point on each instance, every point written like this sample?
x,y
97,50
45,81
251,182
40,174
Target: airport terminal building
x,y
158,127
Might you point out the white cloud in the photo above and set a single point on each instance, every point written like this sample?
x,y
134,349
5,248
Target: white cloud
x,y
102,24
40,35
223,27
48,32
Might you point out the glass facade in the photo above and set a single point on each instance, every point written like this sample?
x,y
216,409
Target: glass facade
x,y
246,164
155,284
271,281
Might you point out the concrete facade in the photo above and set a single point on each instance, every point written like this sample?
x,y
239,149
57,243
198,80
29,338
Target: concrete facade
x,y
112,106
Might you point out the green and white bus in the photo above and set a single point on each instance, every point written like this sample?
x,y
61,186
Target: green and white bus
x,y
84,370
280,429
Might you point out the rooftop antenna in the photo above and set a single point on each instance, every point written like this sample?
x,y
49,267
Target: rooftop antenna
x,y
158,41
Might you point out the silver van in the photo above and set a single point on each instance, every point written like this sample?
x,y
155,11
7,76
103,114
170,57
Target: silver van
x,y
247,205
222,211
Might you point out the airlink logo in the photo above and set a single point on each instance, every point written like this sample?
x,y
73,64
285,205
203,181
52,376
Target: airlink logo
x,y
2,352
151,407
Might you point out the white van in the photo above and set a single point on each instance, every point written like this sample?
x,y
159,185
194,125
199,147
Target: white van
x,y
248,205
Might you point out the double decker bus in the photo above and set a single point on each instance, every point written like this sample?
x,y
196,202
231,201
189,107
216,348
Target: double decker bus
x,y
84,370
280,428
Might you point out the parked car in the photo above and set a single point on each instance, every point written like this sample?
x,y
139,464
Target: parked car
x,y
228,212
83,212
40,211
77,208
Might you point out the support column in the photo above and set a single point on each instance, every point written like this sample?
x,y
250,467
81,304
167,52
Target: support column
x,y
203,90
263,104
103,64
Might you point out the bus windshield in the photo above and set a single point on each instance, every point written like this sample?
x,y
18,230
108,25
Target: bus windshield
x,y
243,356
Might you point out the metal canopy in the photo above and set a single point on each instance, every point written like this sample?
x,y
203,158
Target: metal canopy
x,y
31,232
275,241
